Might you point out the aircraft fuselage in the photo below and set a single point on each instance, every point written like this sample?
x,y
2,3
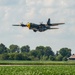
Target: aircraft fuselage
x,y
36,27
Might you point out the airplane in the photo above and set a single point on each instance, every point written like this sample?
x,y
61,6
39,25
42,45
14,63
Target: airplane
x,y
40,27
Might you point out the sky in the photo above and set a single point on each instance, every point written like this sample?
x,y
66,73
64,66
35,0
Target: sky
x,y
37,11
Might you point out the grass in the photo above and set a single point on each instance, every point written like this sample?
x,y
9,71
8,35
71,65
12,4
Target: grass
x,y
12,62
38,70
37,67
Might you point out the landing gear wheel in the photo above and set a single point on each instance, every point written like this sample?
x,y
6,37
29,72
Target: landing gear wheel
x,y
35,30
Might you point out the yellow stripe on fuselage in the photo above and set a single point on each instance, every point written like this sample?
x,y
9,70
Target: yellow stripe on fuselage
x,y
28,25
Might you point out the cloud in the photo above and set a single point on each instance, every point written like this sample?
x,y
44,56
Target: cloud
x,y
72,30
8,2
17,11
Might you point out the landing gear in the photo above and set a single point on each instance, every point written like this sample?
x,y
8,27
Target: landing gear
x,y
35,30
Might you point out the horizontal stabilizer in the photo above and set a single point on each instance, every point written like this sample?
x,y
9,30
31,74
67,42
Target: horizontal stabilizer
x,y
56,24
54,28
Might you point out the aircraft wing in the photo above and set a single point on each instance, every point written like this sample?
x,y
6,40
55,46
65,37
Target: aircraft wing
x,y
23,25
56,24
16,25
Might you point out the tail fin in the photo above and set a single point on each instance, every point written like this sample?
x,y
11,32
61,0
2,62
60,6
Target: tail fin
x,y
48,22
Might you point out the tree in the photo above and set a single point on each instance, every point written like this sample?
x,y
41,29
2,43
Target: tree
x,y
34,53
44,51
18,56
52,58
14,48
5,56
40,51
26,56
57,53
64,59
48,51
59,57
44,57
11,56
3,49
25,48
65,52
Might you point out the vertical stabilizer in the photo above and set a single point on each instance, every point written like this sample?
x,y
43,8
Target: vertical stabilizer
x,y
48,22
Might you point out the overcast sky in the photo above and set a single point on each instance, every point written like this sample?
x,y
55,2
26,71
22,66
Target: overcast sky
x,y
36,11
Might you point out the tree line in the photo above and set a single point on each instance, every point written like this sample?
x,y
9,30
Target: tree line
x,y
14,52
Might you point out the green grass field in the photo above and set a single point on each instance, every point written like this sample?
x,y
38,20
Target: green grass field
x,y
14,62
37,68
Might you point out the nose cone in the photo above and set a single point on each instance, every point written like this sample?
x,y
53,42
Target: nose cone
x,y
28,25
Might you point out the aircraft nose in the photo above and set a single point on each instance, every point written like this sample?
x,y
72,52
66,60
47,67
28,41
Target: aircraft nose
x,y
28,25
